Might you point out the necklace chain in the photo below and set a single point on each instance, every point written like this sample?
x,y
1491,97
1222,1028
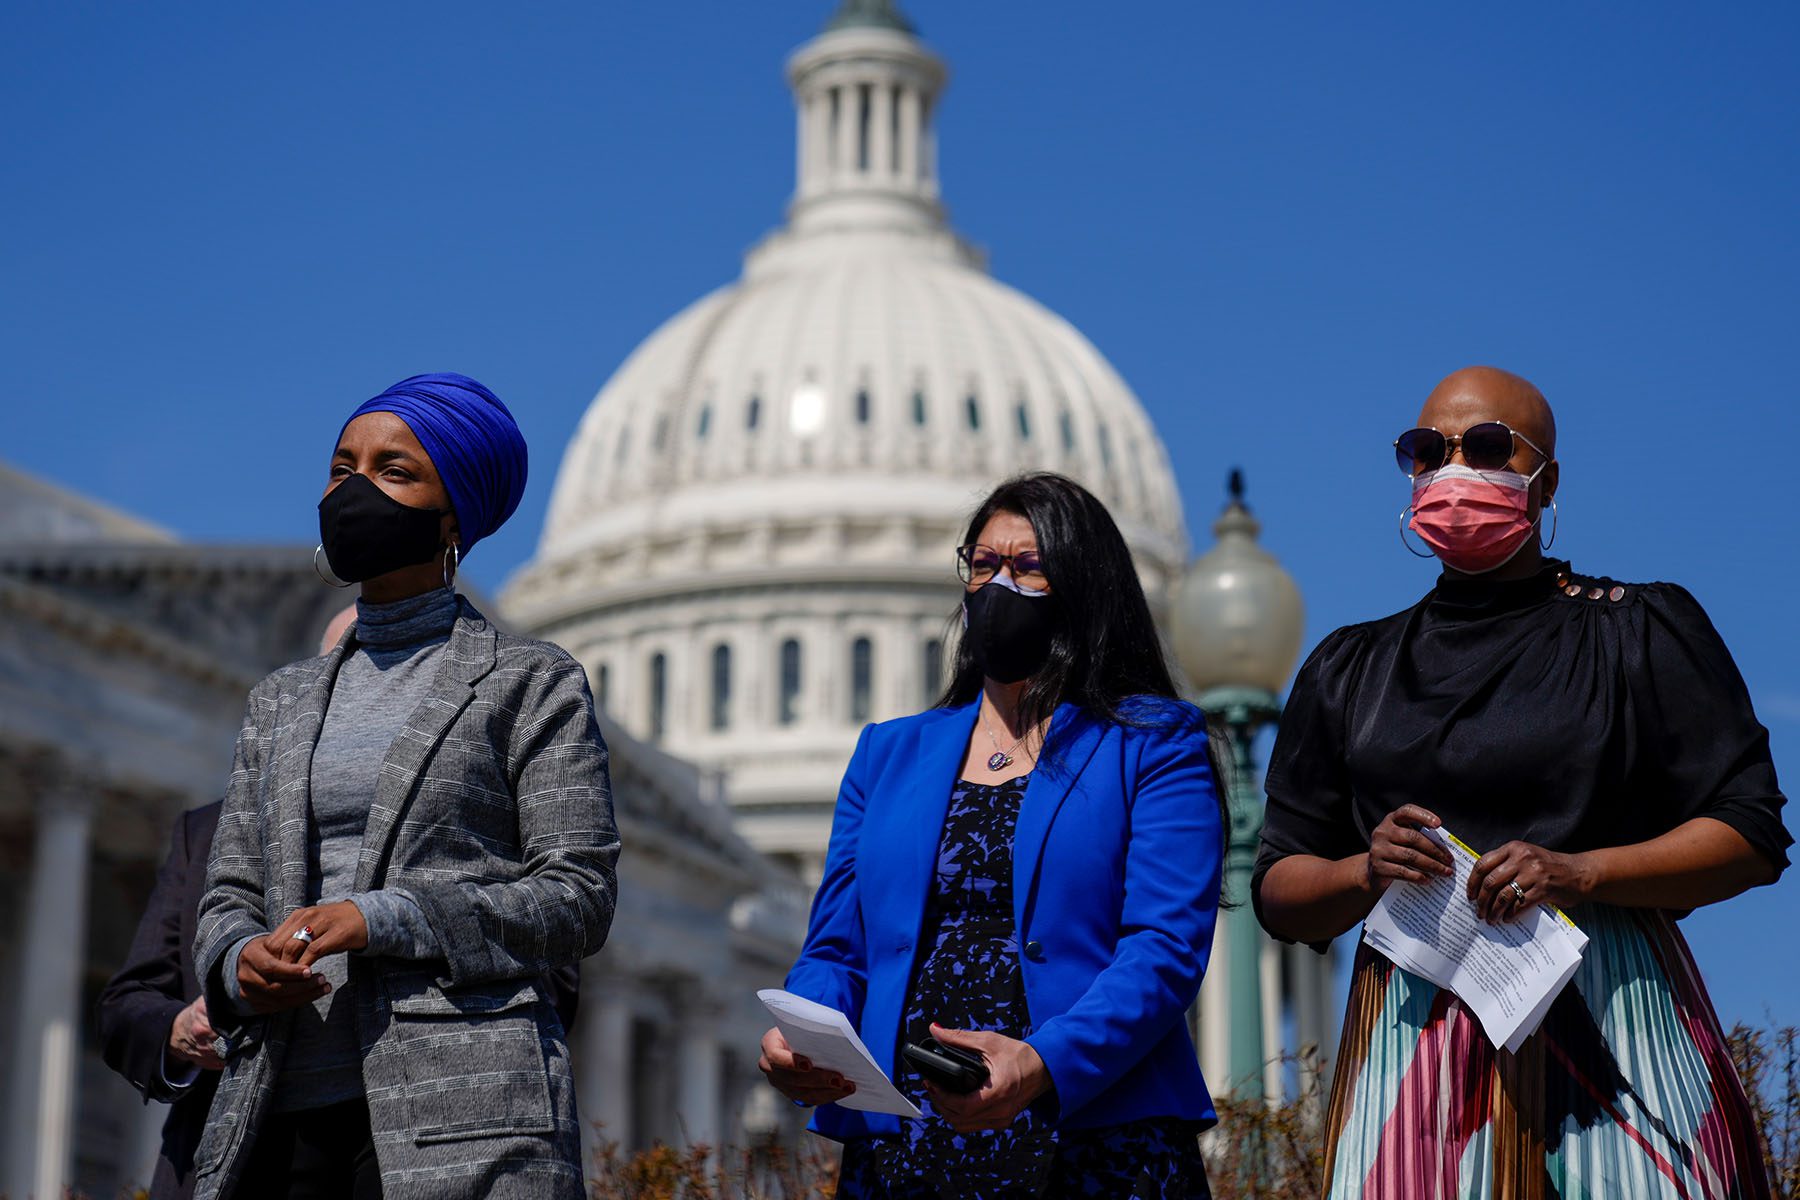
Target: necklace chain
x,y
1000,759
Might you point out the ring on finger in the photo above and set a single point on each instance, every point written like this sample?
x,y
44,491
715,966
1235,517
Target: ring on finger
x,y
1517,891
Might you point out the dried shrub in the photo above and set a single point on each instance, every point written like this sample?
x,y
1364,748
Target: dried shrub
x,y
1270,1151
1768,1062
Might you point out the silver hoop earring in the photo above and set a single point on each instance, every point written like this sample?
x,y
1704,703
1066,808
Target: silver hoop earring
x,y
1404,513
332,580
1553,524
452,560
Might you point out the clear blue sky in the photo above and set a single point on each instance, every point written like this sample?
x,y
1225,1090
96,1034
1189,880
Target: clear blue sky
x,y
225,225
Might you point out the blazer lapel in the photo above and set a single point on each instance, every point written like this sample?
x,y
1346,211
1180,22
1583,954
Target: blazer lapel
x,y
917,823
468,656
293,776
1072,740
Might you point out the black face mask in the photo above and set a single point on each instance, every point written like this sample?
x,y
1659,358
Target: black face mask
x,y
1009,634
367,532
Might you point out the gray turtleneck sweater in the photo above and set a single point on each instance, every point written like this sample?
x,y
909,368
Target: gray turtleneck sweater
x,y
393,660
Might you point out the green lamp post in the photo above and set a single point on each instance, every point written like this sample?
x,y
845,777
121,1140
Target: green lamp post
x,y
1237,625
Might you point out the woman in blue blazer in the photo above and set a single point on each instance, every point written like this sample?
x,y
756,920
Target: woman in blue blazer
x,y
1028,873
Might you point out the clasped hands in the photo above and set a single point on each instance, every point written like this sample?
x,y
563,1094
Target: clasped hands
x,y
1016,1077
1398,850
275,971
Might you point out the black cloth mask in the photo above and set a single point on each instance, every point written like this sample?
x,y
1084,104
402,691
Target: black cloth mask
x,y
367,532
1009,632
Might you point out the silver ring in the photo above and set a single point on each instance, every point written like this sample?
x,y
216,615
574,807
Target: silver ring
x,y
1517,890
305,933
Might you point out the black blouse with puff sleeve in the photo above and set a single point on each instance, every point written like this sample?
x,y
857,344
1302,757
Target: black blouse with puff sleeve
x,y
1568,711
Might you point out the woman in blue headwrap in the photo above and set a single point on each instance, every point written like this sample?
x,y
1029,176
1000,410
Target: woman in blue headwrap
x,y
417,841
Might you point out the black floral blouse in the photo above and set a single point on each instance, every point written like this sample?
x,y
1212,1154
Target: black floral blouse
x,y
967,977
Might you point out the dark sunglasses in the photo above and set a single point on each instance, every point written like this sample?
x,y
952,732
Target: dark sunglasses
x,y
1488,446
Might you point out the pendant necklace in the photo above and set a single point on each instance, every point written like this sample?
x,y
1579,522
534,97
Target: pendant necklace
x,y
1000,759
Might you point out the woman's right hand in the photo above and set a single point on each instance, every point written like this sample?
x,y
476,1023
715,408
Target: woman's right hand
x,y
270,983
1397,850
796,1078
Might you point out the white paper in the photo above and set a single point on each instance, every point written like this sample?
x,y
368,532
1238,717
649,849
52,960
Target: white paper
x,y
826,1037
1508,973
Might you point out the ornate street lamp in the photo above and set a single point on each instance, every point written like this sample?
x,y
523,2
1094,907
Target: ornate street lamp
x,y
1237,627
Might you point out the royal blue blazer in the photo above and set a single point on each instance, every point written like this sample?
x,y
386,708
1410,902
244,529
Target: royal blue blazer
x,y
1116,863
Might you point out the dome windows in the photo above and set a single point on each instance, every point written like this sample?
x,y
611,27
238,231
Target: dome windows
x,y
753,413
918,406
787,711
974,411
704,423
862,405
721,688
862,680
806,411
1068,431
659,697
1024,419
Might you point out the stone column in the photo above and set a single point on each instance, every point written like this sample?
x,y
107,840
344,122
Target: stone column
x,y
911,117
697,1072
603,1059
881,132
849,128
41,1096
1307,972
1215,1012
1269,965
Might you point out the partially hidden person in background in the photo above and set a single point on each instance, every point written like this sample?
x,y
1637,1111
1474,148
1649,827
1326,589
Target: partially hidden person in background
x,y
1595,740
1028,873
152,1018
417,830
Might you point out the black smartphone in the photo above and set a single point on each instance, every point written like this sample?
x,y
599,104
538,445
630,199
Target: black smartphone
x,y
951,1069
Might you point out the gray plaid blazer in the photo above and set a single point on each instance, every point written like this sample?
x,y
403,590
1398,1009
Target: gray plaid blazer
x,y
493,811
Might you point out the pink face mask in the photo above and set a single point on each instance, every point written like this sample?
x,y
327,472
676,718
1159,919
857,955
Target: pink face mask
x,y
1474,521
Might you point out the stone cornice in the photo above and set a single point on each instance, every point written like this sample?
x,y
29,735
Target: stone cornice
x,y
90,626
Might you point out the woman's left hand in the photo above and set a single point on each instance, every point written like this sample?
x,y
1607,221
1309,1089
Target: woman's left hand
x,y
1545,877
1016,1077
336,928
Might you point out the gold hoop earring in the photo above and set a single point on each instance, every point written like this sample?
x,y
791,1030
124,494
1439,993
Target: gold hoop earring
x,y
332,580
452,560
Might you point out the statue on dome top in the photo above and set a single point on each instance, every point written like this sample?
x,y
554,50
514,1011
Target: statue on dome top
x,y
869,14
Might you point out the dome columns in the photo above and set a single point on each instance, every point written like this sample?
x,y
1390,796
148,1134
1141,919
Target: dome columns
x,y
865,99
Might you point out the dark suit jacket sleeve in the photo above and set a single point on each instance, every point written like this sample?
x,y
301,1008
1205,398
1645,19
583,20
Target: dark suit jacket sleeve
x,y
139,1004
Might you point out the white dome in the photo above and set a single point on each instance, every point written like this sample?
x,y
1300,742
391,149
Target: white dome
x,y
785,467
868,377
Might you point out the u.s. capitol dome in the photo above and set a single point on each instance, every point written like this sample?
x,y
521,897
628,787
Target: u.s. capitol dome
x,y
750,540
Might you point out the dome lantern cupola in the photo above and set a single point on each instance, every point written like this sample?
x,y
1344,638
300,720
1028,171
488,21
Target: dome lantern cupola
x,y
865,94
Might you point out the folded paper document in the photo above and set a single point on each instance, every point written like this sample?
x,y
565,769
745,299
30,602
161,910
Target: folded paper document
x,y
825,1036
1508,973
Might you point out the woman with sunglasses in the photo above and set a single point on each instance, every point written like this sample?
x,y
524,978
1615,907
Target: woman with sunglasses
x,y
1027,874
416,837
1595,741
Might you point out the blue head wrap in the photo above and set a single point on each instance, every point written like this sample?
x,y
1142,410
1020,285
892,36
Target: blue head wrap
x,y
473,442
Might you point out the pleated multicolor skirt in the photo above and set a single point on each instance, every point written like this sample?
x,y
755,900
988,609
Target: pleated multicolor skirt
x,y
1626,1090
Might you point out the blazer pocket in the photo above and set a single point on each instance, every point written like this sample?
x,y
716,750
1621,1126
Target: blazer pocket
x,y
473,1063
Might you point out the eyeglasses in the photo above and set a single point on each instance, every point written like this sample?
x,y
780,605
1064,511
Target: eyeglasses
x,y
1488,446
976,564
